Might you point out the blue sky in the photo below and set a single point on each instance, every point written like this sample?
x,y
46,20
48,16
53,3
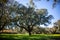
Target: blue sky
x,y
47,5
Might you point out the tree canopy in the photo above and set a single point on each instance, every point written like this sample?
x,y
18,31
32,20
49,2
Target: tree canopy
x,y
29,17
25,17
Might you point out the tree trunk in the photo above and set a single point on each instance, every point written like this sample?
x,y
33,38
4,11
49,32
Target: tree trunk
x,y
29,33
1,28
29,30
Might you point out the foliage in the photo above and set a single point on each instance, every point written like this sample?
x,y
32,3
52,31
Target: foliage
x,y
57,26
25,17
4,14
55,2
4,1
30,18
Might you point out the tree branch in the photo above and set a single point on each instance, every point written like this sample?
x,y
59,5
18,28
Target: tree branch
x,y
23,27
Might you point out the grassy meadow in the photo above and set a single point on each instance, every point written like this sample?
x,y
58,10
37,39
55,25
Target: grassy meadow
x,y
27,37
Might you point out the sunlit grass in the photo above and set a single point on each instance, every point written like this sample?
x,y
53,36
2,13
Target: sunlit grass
x,y
27,37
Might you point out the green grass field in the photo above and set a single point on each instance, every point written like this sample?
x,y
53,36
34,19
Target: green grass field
x,y
27,37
